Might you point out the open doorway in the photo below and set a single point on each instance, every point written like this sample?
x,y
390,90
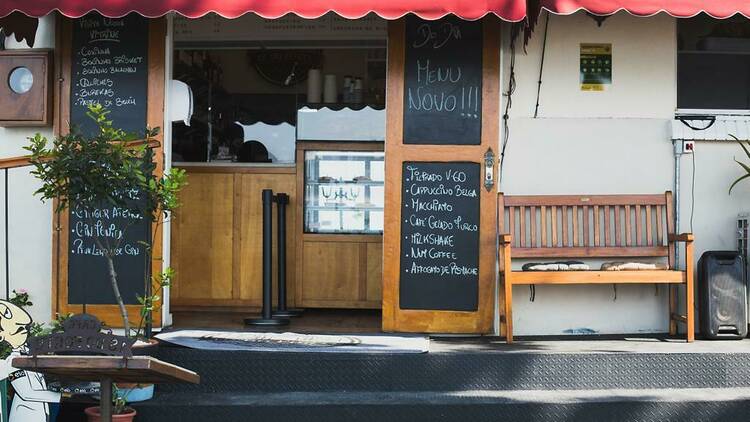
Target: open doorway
x,y
296,106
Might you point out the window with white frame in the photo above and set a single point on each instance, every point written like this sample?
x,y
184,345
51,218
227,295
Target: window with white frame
x,y
713,64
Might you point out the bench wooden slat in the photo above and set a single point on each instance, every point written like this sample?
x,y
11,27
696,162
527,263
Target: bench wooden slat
x,y
649,232
597,227
638,226
575,226
532,225
512,225
589,277
543,222
565,226
522,226
628,233
659,226
592,252
554,226
618,227
607,238
549,200
586,225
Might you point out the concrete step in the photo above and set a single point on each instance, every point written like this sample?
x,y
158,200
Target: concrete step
x,y
465,370
696,404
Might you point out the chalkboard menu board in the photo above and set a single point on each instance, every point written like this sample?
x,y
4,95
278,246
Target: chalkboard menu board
x,y
440,236
443,82
109,67
88,276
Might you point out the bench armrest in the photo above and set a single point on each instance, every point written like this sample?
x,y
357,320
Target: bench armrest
x,y
684,237
505,239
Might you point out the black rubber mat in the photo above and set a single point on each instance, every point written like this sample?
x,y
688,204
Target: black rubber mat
x,y
281,372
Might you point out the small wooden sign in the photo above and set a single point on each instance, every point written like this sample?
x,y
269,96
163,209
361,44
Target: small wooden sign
x,y
82,334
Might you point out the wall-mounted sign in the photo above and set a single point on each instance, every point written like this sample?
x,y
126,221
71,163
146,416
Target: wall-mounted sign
x,y
251,27
443,82
440,236
596,66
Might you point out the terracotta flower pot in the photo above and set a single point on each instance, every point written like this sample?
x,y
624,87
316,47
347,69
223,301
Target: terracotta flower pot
x,y
93,415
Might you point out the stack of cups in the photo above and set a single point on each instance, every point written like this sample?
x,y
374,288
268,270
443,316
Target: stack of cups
x,y
330,92
314,86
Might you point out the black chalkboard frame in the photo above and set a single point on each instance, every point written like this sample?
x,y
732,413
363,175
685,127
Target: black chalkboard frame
x,y
157,30
443,81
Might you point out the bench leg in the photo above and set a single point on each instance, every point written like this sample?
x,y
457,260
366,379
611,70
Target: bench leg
x,y
672,292
689,293
508,311
508,291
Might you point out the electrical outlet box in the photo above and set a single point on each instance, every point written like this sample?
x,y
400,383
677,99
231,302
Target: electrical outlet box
x,y
688,147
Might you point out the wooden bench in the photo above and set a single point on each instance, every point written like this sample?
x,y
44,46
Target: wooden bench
x,y
545,228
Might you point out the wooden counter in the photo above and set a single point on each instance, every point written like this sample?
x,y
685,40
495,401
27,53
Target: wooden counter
x,y
217,246
216,234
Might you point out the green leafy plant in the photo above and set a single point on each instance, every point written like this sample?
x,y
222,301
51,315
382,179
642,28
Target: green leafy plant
x,y
88,172
745,167
119,401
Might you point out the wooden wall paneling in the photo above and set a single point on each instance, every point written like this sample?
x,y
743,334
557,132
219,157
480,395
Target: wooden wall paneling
x,y
203,235
394,318
332,272
374,272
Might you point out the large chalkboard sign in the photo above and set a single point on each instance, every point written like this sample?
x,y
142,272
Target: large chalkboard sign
x,y
443,82
440,236
109,67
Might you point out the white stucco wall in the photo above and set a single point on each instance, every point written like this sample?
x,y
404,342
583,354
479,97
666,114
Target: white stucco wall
x,y
30,220
615,141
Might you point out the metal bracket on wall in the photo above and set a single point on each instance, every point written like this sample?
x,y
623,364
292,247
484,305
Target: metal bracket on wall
x,y
489,169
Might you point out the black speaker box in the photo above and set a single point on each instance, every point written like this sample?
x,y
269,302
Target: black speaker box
x,y
722,295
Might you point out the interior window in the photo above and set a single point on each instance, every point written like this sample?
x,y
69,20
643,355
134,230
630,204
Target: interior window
x,y
250,78
713,63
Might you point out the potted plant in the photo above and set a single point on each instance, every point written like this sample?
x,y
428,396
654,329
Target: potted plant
x,y
745,167
120,409
91,171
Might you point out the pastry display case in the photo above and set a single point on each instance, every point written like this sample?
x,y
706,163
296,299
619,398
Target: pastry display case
x,y
343,192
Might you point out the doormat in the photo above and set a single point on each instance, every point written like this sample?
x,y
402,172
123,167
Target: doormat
x,y
295,342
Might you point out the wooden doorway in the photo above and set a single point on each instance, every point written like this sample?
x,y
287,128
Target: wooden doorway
x,y
417,297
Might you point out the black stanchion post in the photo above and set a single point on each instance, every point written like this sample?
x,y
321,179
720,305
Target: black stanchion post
x,y
266,317
282,200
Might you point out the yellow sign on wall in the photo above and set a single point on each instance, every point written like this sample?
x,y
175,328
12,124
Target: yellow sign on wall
x,y
596,66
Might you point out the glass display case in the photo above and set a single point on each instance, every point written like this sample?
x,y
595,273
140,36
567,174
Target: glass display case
x,y
344,192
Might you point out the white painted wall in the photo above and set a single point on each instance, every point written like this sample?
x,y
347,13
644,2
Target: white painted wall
x,y
30,220
617,141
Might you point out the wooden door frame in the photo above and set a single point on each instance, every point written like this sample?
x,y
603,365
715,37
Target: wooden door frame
x,y
409,320
154,118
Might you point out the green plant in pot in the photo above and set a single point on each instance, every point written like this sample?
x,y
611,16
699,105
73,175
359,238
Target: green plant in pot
x,y
120,409
745,167
104,170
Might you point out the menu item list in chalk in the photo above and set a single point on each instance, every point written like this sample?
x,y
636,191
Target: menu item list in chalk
x,y
443,82
439,263
110,67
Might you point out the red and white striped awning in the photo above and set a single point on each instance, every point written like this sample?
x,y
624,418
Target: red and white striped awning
x,y
720,9
510,10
